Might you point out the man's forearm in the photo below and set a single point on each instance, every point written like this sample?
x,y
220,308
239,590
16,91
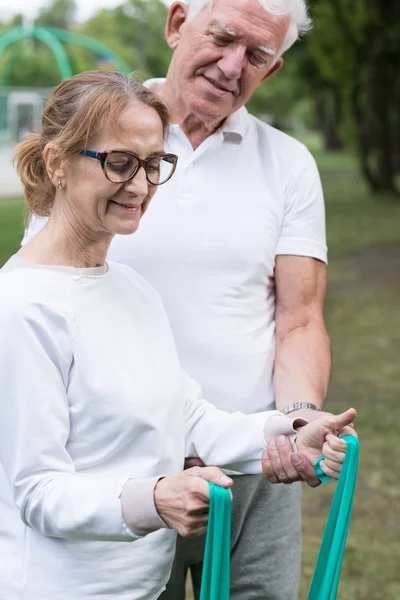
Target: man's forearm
x,y
302,366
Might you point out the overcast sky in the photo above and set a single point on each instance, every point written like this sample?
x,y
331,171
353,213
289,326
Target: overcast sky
x,y
30,8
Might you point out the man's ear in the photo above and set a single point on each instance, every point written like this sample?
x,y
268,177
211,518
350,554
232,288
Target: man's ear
x,y
53,167
176,18
276,67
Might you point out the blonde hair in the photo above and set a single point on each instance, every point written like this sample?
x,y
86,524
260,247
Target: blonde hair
x,y
74,115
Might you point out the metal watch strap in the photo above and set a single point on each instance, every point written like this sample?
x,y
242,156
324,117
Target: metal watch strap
x,y
298,406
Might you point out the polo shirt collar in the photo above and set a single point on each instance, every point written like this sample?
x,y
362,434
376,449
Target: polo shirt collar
x,y
233,127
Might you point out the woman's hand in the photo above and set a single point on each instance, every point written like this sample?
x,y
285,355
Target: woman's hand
x,y
282,465
182,500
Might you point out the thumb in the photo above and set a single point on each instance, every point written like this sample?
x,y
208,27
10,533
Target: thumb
x,y
215,475
212,474
338,422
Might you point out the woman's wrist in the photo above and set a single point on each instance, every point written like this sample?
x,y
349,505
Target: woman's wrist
x,y
138,505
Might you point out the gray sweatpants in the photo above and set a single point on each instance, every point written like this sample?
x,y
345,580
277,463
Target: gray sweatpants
x,y
265,546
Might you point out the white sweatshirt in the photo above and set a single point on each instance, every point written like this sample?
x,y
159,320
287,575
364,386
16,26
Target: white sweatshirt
x,y
92,395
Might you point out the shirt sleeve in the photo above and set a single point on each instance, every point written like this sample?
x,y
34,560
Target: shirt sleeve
x,y
35,358
35,225
303,227
233,441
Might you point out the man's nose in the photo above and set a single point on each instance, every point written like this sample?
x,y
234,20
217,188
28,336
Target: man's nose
x,y
233,61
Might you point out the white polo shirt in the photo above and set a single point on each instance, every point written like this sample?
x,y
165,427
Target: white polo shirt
x,y
208,244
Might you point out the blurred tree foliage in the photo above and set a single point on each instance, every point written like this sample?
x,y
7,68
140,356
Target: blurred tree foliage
x,y
343,79
134,30
355,49
60,13
345,76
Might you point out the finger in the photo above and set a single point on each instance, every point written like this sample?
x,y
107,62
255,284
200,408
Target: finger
x,y
328,471
277,467
198,521
335,444
201,509
267,468
333,465
305,469
348,430
215,475
192,529
198,531
333,455
285,450
195,522
338,422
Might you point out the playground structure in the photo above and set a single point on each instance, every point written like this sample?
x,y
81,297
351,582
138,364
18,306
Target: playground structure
x,y
21,108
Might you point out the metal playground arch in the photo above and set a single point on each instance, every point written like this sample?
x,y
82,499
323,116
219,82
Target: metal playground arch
x,y
54,39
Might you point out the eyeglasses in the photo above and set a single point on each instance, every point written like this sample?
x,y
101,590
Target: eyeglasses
x,y
120,167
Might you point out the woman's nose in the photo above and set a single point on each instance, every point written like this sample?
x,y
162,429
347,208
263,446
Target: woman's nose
x,y
138,184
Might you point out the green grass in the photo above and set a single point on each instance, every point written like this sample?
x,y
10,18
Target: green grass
x,y
363,318
11,226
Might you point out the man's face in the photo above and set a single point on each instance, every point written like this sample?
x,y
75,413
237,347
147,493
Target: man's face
x,y
224,54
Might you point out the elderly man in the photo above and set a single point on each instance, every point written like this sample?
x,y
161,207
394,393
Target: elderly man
x,y
235,244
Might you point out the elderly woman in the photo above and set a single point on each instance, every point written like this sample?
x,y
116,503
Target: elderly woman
x,y
96,414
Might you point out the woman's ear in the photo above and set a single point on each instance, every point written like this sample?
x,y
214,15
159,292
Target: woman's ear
x,y
176,18
53,165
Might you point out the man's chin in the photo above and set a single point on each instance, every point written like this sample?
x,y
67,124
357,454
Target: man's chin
x,y
209,109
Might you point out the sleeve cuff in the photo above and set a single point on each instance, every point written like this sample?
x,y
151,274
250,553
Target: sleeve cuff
x,y
138,509
299,247
280,424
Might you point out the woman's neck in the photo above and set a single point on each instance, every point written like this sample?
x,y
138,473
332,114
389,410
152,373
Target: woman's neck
x,y
64,241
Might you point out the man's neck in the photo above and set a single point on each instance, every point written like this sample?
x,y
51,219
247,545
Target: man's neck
x,y
195,128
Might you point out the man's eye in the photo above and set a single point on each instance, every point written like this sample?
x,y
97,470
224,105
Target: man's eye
x,y
220,41
256,59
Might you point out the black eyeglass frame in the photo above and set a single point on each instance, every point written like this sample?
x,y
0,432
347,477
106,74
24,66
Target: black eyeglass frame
x,y
142,162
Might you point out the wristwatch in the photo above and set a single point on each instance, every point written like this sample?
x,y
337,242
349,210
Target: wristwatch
x,y
297,406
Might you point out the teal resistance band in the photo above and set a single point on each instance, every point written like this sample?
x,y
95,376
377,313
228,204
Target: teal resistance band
x,y
325,582
216,564
326,576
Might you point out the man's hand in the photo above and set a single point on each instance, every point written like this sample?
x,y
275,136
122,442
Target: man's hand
x,y
312,437
182,500
281,465
309,414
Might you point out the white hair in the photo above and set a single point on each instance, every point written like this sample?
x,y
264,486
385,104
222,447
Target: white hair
x,y
300,21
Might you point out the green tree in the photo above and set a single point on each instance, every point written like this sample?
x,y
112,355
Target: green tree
x,y
135,30
60,13
355,46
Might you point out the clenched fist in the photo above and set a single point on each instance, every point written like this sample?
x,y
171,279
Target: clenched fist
x,y
182,500
282,465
